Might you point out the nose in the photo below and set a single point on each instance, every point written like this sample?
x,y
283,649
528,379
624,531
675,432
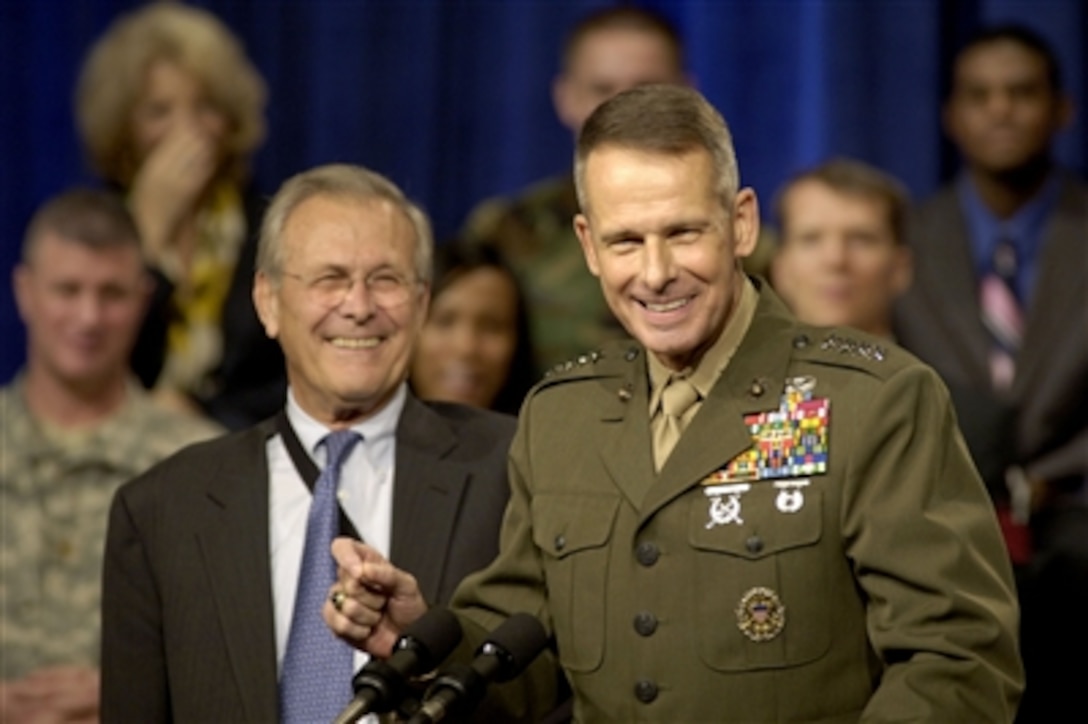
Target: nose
x,y
658,268
835,252
1000,103
89,309
357,302
462,341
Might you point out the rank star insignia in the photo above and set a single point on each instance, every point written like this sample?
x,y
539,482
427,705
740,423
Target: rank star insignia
x,y
760,614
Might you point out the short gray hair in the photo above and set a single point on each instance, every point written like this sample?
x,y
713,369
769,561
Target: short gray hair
x,y
660,118
347,182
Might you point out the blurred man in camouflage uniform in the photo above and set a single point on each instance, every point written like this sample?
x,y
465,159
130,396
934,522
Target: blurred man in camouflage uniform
x,y
74,425
607,52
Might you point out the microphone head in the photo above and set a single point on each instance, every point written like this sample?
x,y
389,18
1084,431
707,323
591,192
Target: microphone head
x,y
432,637
516,642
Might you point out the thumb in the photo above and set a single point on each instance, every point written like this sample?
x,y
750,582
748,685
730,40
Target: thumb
x,y
352,555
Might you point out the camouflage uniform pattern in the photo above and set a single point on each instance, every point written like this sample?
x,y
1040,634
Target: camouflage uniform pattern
x,y
534,232
55,493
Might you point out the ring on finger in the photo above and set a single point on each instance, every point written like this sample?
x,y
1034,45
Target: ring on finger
x,y
338,597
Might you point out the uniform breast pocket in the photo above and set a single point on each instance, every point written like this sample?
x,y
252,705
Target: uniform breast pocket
x,y
572,534
761,574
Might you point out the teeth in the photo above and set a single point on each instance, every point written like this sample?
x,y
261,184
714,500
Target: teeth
x,y
666,307
352,343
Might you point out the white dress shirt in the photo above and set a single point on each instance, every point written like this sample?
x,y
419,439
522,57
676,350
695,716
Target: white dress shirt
x,y
366,496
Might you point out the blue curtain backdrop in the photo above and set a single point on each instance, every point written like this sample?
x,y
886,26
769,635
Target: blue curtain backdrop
x,y
450,98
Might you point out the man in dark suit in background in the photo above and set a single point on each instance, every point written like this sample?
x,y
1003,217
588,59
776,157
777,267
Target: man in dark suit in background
x,y
999,308
204,552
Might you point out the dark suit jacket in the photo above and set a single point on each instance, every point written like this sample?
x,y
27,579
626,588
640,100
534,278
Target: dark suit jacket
x,y
187,625
940,320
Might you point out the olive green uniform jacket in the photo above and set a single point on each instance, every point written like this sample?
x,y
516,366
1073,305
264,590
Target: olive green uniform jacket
x,y
885,596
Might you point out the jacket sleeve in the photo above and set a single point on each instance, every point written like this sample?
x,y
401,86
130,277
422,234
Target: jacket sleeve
x,y
134,683
923,541
514,582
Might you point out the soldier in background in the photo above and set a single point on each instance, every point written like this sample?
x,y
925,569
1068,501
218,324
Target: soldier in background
x,y
74,425
608,51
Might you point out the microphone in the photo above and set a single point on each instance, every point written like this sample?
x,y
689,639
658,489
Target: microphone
x,y
380,684
504,655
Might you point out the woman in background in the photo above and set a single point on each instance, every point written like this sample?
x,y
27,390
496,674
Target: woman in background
x,y
170,110
474,347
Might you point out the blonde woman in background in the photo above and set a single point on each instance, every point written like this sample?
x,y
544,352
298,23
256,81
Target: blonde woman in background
x,y
170,110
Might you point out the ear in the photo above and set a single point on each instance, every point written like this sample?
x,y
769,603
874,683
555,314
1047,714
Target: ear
x,y
589,247
564,102
20,283
424,307
745,220
903,271
1067,112
266,300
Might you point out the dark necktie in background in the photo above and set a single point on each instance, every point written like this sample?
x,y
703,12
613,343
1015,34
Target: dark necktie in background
x,y
317,667
1002,314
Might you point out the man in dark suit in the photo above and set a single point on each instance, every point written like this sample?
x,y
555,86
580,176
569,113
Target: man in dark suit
x,y
999,308
207,552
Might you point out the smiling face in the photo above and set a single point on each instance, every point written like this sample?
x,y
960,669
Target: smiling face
x,y
839,262
82,308
665,246
467,345
346,354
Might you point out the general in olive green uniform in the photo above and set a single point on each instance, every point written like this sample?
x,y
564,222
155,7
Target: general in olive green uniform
x,y
816,548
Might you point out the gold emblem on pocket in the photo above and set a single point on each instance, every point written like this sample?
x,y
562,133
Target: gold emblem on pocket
x,y
760,614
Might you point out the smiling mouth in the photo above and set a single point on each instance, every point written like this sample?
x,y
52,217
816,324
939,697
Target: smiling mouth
x,y
355,343
666,306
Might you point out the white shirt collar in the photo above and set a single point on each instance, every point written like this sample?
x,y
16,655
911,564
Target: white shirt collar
x,y
380,425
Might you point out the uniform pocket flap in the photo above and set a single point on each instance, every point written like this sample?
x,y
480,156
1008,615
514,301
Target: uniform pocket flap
x,y
761,522
567,523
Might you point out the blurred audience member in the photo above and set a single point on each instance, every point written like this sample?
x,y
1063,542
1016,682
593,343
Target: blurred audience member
x,y
474,347
999,308
842,259
75,425
608,51
170,111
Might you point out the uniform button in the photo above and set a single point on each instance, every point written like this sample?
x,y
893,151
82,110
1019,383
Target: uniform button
x,y
560,542
645,623
800,341
647,553
754,544
631,354
645,691
756,389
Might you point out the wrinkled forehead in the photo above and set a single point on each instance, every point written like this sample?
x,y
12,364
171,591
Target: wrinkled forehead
x,y
344,226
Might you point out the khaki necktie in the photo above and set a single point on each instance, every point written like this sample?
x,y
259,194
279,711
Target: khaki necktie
x,y
676,400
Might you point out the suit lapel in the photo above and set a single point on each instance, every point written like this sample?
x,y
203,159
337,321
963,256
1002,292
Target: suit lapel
x,y
234,543
946,255
1059,300
427,490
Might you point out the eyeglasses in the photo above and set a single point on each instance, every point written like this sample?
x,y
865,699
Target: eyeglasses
x,y
330,288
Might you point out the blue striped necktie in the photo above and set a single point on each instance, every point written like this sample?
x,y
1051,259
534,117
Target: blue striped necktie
x,y
316,680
